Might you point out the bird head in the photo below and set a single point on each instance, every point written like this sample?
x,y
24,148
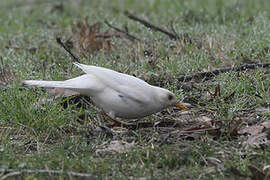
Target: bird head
x,y
167,99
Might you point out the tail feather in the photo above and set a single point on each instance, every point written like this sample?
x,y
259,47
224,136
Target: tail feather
x,y
46,84
85,84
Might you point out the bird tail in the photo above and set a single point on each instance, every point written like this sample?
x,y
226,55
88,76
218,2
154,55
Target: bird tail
x,y
81,82
46,84
84,84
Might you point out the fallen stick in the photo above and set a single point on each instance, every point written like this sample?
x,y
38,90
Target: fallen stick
x,y
42,171
147,24
59,41
131,37
209,74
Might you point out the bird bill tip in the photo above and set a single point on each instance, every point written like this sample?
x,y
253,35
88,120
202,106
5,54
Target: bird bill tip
x,y
181,106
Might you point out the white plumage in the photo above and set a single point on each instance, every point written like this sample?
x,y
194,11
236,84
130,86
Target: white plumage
x,y
119,95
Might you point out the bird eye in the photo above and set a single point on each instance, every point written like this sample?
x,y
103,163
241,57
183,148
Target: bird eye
x,y
170,97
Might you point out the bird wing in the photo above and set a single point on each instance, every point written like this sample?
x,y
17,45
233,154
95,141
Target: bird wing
x,y
133,94
127,85
85,84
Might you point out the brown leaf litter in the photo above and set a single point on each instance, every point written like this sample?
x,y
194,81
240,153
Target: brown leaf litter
x,y
258,134
89,38
118,146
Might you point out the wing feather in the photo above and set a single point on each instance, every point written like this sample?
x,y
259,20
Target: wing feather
x,y
127,85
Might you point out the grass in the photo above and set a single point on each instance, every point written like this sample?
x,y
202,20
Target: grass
x,y
36,135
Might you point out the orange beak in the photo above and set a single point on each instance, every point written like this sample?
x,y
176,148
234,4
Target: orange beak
x,y
181,106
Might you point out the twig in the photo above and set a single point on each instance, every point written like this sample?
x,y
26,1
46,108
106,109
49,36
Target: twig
x,y
131,37
39,171
147,24
207,75
59,41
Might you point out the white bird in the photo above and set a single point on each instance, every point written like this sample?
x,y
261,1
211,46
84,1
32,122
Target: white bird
x,y
117,94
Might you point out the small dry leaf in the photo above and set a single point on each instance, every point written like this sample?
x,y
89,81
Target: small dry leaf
x,y
205,125
252,130
257,140
117,146
206,121
89,37
259,134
